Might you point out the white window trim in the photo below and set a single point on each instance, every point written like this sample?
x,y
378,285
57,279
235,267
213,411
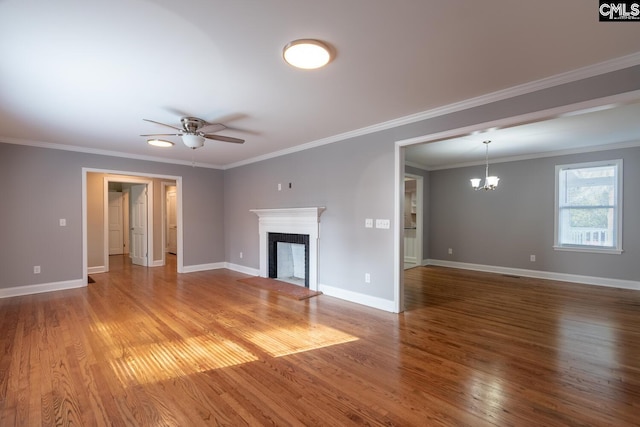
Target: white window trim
x,y
619,199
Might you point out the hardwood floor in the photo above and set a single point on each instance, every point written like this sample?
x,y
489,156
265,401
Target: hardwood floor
x,y
148,347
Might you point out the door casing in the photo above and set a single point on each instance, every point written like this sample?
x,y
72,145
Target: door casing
x,y
136,177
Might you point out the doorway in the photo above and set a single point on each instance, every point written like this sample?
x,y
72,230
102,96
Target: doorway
x,y
118,221
171,218
137,216
413,223
97,227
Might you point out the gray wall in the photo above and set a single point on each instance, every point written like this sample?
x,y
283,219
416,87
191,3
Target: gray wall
x,y
504,227
44,185
353,180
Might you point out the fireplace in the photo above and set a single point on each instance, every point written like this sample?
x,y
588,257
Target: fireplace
x,y
290,226
288,257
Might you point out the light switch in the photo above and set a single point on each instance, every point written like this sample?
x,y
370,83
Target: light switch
x,y
383,223
368,222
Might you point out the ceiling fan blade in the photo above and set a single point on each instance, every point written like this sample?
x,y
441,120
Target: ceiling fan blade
x,y
224,138
163,124
176,112
212,127
163,134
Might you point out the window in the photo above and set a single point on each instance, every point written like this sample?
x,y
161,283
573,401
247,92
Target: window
x,y
589,207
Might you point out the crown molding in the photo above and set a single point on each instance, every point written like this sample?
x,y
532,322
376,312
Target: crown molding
x,y
523,89
78,149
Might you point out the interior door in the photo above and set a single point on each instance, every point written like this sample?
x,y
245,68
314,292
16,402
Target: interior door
x,y
172,224
138,222
116,223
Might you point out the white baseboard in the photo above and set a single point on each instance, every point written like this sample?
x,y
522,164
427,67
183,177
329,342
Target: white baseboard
x,y
204,267
157,263
368,300
42,287
563,277
96,269
219,265
242,269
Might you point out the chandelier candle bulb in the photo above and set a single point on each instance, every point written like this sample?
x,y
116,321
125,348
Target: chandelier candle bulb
x,y
492,181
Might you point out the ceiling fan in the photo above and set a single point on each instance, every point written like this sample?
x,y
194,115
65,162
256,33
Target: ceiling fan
x,y
194,131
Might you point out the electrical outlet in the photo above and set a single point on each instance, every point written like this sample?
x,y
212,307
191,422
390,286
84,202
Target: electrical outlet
x,y
532,258
36,269
63,222
368,222
240,255
450,251
367,278
279,187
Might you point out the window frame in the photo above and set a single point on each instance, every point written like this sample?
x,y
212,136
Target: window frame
x,y
618,196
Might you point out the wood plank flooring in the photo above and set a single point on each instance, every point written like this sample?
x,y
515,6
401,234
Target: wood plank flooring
x,y
148,347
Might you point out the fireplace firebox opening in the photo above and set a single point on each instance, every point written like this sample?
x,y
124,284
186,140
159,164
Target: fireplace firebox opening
x,y
288,257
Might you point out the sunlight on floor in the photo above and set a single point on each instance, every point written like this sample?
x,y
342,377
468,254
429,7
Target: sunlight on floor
x,y
158,359
152,357
162,361
296,339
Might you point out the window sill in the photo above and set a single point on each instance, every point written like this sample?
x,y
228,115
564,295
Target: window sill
x,y
593,250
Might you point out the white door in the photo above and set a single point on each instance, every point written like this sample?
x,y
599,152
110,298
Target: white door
x,y
138,222
172,223
116,224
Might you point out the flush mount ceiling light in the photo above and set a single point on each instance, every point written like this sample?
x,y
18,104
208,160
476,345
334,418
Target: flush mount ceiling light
x,y
490,182
307,54
159,143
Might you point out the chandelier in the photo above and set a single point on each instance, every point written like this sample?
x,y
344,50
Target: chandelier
x,y
490,182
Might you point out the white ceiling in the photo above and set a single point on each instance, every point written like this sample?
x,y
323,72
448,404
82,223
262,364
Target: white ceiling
x,y
85,73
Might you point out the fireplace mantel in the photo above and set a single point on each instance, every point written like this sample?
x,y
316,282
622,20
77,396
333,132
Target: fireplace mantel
x,y
312,213
294,221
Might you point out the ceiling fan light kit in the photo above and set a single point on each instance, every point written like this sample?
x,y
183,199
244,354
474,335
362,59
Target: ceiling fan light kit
x,y
307,54
490,182
193,141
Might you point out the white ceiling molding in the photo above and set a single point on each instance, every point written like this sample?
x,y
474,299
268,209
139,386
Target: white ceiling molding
x,y
546,83
64,147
